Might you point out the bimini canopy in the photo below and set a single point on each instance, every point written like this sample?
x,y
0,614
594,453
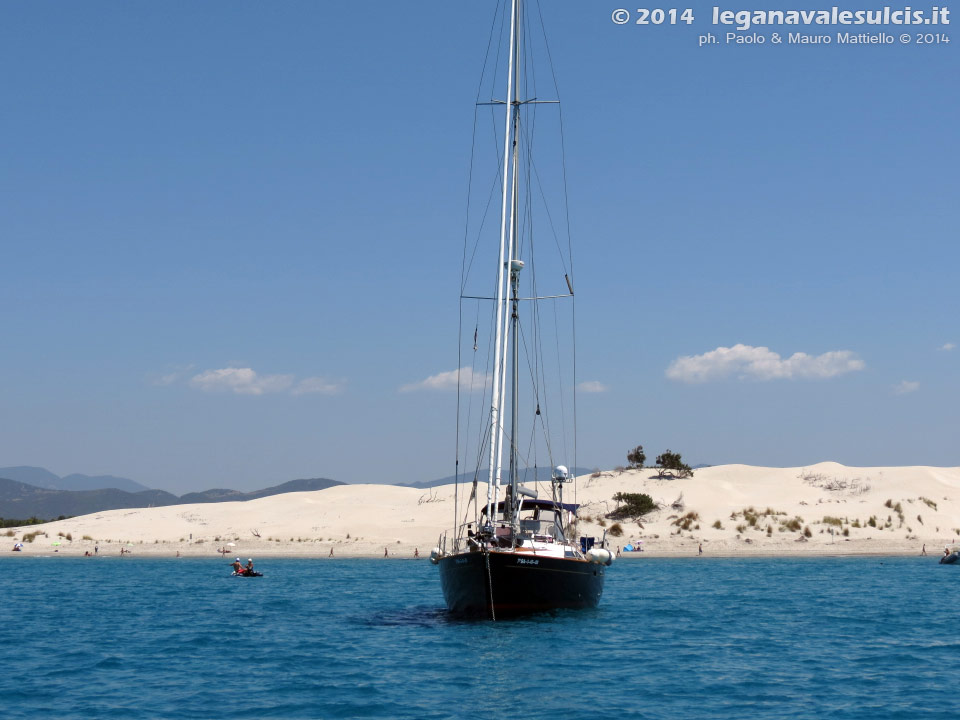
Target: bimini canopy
x,y
542,504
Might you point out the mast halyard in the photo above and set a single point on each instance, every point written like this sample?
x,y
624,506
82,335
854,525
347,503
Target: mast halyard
x,y
507,238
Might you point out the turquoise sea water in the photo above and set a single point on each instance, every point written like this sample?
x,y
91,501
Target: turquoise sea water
x,y
692,638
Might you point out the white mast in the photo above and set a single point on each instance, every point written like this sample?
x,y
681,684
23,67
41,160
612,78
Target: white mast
x,y
500,342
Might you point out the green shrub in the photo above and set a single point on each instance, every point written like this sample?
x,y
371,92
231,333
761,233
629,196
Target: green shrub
x,y
616,530
827,520
929,502
718,525
807,532
632,505
872,522
846,532
87,537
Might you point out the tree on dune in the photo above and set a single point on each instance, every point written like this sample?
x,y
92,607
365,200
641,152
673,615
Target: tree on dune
x,y
636,457
670,463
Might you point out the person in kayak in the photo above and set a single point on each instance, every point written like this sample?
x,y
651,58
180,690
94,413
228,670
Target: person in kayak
x,y
237,567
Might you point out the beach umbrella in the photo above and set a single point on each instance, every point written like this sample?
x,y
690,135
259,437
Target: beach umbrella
x,y
55,543
231,544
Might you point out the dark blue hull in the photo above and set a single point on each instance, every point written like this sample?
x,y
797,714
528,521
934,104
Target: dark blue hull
x,y
518,583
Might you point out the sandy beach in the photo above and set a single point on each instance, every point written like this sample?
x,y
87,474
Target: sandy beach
x,y
729,510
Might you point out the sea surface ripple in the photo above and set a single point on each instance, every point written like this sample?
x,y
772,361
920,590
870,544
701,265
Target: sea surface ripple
x,y
684,638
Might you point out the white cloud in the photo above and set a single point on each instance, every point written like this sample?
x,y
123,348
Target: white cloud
x,y
242,381
448,381
760,363
175,375
948,346
318,385
906,386
592,386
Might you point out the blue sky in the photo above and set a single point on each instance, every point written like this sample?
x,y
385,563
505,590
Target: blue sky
x,y
230,233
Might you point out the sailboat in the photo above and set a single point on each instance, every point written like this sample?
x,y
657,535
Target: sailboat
x,y
517,552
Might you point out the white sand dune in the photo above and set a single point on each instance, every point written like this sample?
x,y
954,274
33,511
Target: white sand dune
x,y
820,509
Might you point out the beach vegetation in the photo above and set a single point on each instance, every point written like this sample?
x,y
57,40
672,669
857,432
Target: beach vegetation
x,y
828,520
87,537
919,519
769,530
68,537
929,502
872,522
348,536
855,523
616,530
619,469
807,532
601,522
636,457
741,528
10,533
32,520
792,525
717,525
670,463
632,506
846,532
888,503
684,522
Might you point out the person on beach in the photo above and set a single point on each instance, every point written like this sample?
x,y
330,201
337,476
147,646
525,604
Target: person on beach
x,y
701,549
924,551
96,549
385,552
237,567
331,552
416,552
618,551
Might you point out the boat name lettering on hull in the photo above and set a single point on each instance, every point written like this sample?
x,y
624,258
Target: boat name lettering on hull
x,y
524,561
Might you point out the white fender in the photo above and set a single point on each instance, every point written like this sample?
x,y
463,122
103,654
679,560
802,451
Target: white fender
x,y
435,555
601,556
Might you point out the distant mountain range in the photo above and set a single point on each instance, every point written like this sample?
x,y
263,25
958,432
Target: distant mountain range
x,y
543,475
23,500
43,478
